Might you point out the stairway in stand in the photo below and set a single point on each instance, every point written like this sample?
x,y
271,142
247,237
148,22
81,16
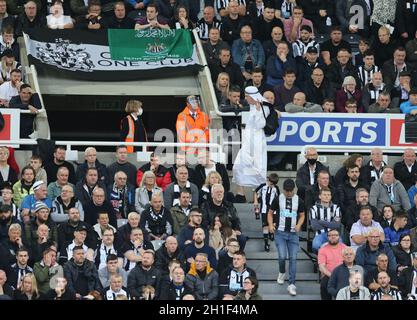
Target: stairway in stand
x,y
266,264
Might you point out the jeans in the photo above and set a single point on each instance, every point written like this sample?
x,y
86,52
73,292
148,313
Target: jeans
x,y
287,241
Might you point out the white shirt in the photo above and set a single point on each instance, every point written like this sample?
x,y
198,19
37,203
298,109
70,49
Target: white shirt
x,y
359,229
57,22
312,174
7,91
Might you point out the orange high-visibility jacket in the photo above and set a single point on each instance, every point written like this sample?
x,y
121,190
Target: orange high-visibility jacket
x,y
190,130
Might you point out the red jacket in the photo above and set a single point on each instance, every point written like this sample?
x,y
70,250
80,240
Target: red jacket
x,y
163,177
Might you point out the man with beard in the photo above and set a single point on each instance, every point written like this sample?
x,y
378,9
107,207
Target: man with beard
x,y
84,189
122,164
98,204
52,167
6,220
10,88
198,246
347,191
186,234
41,213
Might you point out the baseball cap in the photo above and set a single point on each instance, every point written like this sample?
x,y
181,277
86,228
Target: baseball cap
x,y
81,227
289,185
312,50
40,205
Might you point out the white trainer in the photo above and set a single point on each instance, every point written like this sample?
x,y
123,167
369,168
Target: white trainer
x,y
292,290
281,278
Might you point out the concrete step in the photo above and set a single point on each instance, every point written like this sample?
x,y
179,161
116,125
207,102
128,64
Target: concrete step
x,y
303,287
301,276
298,297
255,250
271,266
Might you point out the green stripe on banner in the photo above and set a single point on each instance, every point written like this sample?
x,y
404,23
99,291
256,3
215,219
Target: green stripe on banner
x,y
149,45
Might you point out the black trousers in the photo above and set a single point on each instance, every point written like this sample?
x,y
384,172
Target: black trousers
x,y
323,289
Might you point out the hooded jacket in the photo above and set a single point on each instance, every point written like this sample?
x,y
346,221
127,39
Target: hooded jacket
x,y
204,289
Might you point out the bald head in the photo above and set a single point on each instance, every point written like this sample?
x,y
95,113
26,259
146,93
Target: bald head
x,y
299,99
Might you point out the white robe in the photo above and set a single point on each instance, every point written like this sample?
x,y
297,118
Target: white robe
x,y
249,169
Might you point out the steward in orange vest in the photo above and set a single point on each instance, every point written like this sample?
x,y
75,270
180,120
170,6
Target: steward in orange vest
x,y
131,126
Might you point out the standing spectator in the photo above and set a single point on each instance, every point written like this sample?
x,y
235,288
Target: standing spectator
x,y
91,161
207,22
55,188
147,188
355,290
330,48
278,62
144,274
84,188
203,278
132,128
81,274
330,256
99,204
30,18
121,195
290,216
162,174
122,164
52,167
361,229
24,186
406,170
172,192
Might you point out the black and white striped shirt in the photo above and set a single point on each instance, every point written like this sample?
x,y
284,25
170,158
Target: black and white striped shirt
x,y
223,4
101,255
109,294
365,76
394,293
203,28
299,48
288,211
266,195
331,213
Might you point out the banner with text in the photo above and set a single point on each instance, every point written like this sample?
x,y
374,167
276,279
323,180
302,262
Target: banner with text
x,y
86,55
341,130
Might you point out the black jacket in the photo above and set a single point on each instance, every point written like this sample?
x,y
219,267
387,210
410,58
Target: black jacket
x,y
351,215
157,224
317,95
210,210
51,170
24,24
26,119
139,277
168,291
369,173
405,18
84,193
401,173
91,212
114,23
82,170
390,74
303,177
312,196
66,234
232,69
346,195
200,176
406,281
173,170
403,258
162,259
262,29
71,272
335,75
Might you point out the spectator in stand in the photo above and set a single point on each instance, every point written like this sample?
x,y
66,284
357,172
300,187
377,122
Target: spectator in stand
x,y
181,19
81,274
176,288
47,270
91,19
278,63
387,217
65,201
248,52
317,88
202,278
28,289
347,93
339,277
123,233
388,190
7,200
312,192
41,243
232,23
98,204
340,70
299,104
373,169
28,203
411,51
172,192
345,13
368,69
152,19
371,277
213,45
102,225
221,87
144,274
198,246
112,267
36,163
84,189
292,26
330,48
207,165
181,161
220,231
186,234
355,290
270,46
52,167
391,68
8,64
264,24
122,164
384,46
257,80
148,187
167,253
121,195
18,270
300,45
56,19
10,89
30,18
116,288
91,161
11,245
306,64
6,14
330,256
132,128
68,250
225,64
55,188
181,211
207,22
411,194
371,93
284,93
8,43
7,173
361,230
119,20
106,245
341,176
407,280
134,249
61,291
79,8
6,220
249,292
410,106
397,229
385,288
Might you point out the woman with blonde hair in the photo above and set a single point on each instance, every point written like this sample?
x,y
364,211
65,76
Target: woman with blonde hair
x,y
212,178
144,193
28,289
222,87
132,128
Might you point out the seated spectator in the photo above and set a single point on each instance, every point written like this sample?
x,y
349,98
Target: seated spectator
x,y
29,201
299,104
407,278
277,63
373,169
341,175
6,220
207,22
383,104
64,202
102,225
213,45
47,270
400,93
56,19
270,46
81,274
180,161
91,161
312,191
198,246
122,164
123,233
84,189
306,64
172,192
330,48
384,47
79,8
7,173
410,106
10,245
36,163
111,268
231,124
232,22
55,188
118,20
99,204
106,245
363,46
229,280
28,289
181,19
330,256
371,277
360,232
43,242
91,18
263,25
67,251
11,88
355,290
116,288
148,187
8,42
41,214
350,94
181,211
372,90
317,89
203,278
58,161
225,64
392,67
284,11
397,229
30,18
366,254
304,42
406,170
121,195
248,52
367,70
176,288
152,20
385,288
257,80
61,291
169,252
134,249
249,292
388,190
412,195
8,64
19,269
220,232
284,93
185,235
324,216
205,166
8,11
24,186
221,87
163,177
411,48
292,26
144,274
212,179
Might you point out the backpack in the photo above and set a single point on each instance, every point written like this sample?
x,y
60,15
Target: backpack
x,y
272,124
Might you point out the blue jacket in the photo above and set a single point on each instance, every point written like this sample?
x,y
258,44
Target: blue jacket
x,y
275,69
392,236
406,107
411,193
367,258
240,52
191,251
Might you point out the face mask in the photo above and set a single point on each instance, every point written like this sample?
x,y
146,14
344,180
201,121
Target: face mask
x,y
311,161
140,112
